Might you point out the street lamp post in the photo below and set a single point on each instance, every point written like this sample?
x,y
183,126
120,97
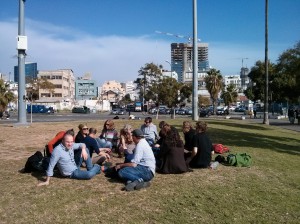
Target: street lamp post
x,y
22,47
266,107
195,63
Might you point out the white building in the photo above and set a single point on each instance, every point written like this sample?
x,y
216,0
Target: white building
x,y
233,79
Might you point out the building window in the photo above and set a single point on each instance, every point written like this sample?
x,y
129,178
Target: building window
x,y
45,95
57,95
58,86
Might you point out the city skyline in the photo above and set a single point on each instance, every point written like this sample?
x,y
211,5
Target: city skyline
x,y
113,39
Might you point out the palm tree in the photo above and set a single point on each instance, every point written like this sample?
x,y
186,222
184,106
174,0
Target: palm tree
x,y
230,95
6,96
214,85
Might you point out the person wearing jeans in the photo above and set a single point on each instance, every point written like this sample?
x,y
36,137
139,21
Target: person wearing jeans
x,y
63,157
141,169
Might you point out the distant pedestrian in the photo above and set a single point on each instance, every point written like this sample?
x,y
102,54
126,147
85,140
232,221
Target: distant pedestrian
x,y
254,112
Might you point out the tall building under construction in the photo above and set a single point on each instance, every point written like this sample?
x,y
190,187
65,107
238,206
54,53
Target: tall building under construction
x,y
182,58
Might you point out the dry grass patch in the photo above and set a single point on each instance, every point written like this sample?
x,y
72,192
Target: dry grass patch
x,y
268,192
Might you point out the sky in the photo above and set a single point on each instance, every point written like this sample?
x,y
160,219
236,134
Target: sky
x,y
113,39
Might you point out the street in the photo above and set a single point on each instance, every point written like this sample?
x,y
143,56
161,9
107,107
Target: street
x,y
68,116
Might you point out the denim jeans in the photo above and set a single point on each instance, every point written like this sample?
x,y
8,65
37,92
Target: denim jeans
x,y
140,173
91,171
102,143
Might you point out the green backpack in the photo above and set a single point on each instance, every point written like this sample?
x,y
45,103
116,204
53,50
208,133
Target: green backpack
x,y
239,159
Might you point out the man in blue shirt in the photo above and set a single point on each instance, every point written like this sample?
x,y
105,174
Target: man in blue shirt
x,y
141,169
63,156
92,146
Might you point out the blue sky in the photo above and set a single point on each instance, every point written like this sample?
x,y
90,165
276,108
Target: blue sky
x,y
112,39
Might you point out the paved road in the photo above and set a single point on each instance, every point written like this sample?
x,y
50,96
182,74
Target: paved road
x,y
60,117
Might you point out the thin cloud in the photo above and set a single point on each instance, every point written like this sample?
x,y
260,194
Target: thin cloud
x,y
109,57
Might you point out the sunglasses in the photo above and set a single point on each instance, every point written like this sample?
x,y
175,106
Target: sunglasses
x,y
85,129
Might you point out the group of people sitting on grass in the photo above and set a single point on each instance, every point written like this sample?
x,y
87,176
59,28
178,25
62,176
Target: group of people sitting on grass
x,y
145,151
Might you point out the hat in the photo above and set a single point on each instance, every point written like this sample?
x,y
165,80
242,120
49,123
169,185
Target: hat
x,y
137,133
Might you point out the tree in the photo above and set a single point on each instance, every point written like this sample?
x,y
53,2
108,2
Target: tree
x,y
230,94
149,74
34,85
214,85
186,92
6,96
287,76
166,91
203,101
257,75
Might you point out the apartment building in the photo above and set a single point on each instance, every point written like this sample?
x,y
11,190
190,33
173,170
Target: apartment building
x,y
130,88
233,79
112,91
64,82
182,58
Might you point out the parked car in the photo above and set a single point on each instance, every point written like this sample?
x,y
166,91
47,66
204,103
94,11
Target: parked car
x,y
181,111
189,111
122,112
240,109
205,112
83,110
152,110
115,111
222,111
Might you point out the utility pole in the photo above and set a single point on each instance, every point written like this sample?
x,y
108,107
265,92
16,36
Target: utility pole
x,y
266,102
21,47
195,63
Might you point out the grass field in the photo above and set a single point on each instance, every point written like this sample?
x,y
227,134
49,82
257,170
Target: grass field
x,y
267,192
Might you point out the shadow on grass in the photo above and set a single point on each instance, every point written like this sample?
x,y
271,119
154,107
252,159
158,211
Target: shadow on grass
x,y
238,138
243,139
241,125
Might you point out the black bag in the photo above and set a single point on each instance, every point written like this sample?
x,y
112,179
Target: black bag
x,y
34,163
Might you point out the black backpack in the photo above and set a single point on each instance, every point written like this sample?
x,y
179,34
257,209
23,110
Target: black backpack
x,y
34,163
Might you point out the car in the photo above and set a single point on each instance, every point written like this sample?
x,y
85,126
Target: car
x,y
162,111
181,111
189,111
115,111
83,110
222,111
205,112
232,108
240,109
122,112
152,110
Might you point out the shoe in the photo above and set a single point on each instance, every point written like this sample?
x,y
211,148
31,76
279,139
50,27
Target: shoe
x,y
141,185
131,185
101,160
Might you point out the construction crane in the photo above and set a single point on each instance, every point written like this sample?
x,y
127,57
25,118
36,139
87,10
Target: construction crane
x,y
243,61
177,35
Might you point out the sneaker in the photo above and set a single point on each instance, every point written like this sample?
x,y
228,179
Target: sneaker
x,y
141,185
131,185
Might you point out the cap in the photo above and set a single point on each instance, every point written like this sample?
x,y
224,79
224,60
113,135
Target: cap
x,y
137,133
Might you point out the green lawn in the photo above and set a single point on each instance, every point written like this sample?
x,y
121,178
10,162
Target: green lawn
x,y
267,192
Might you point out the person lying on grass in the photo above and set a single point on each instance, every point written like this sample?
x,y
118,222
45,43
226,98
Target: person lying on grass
x,y
63,156
141,169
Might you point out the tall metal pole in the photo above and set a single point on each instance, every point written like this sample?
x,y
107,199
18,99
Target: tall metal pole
x,y
266,102
195,63
21,67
